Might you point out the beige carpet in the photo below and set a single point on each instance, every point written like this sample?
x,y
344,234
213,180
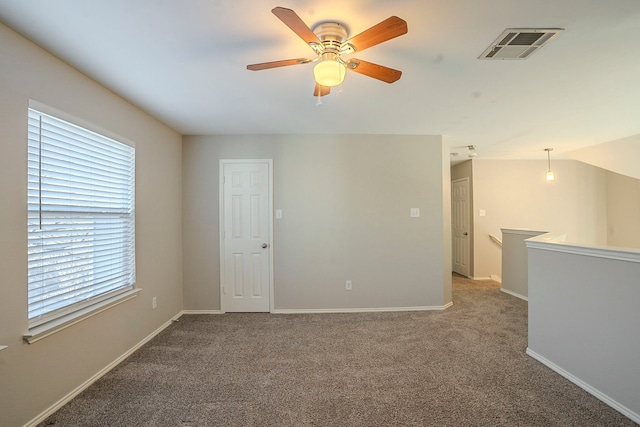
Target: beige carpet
x,y
465,366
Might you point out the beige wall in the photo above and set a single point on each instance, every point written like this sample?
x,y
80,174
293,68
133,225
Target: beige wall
x,y
345,202
623,211
34,377
621,156
515,194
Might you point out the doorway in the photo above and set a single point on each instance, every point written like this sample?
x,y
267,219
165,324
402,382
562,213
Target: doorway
x,y
460,218
246,250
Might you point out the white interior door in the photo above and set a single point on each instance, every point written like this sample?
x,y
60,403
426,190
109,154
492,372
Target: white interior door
x,y
460,215
246,235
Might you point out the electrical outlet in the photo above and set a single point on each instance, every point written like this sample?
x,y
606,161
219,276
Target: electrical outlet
x,y
348,285
154,303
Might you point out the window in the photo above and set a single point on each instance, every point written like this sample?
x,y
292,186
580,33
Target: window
x,y
81,248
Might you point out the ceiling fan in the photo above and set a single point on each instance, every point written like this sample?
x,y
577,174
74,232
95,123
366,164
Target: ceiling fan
x,y
329,41
471,150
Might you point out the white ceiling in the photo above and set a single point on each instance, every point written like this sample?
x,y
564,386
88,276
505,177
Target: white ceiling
x,y
184,62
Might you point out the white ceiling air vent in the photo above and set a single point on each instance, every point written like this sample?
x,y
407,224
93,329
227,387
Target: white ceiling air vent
x,y
519,43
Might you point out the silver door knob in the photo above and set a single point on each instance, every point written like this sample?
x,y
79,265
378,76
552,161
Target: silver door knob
x,y
265,246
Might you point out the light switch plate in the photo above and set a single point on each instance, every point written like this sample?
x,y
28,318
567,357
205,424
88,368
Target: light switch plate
x,y
482,212
278,213
414,213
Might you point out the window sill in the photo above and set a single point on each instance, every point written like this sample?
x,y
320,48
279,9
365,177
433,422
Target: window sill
x,y
43,331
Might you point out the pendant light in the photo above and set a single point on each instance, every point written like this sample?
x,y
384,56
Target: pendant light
x,y
550,175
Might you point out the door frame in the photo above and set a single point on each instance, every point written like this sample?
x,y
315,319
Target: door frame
x,y
221,260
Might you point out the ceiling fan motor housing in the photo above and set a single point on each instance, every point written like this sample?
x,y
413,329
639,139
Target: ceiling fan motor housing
x,y
331,31
332,35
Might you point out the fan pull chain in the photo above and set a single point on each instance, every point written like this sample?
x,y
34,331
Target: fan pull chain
x,y
319,101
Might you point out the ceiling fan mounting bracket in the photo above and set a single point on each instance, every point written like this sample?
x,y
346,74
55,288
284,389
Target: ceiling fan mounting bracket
x,y
317,47
347,49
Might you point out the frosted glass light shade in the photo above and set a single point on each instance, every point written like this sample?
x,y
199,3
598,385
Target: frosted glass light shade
x,y
329,72
550,175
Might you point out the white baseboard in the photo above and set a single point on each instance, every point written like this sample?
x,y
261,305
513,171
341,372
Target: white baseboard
x,y
358,310
66,399
507,291
586,387
493,277
202,312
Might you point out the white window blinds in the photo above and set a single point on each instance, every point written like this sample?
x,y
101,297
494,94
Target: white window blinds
x,y
81,247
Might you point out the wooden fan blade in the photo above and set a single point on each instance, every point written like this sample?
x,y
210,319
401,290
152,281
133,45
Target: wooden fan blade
x,y
380,72
386,30
293,21
321,90
275,64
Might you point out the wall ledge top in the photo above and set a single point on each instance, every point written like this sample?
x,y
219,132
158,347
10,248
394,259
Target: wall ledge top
x,y
555,243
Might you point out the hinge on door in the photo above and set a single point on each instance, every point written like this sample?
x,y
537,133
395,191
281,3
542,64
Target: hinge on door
x,y
224,290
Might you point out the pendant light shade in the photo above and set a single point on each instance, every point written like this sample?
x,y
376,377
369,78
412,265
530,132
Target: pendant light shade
x,y
550,175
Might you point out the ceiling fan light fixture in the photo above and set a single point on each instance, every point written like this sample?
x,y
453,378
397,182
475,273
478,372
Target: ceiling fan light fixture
x,y
329,71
